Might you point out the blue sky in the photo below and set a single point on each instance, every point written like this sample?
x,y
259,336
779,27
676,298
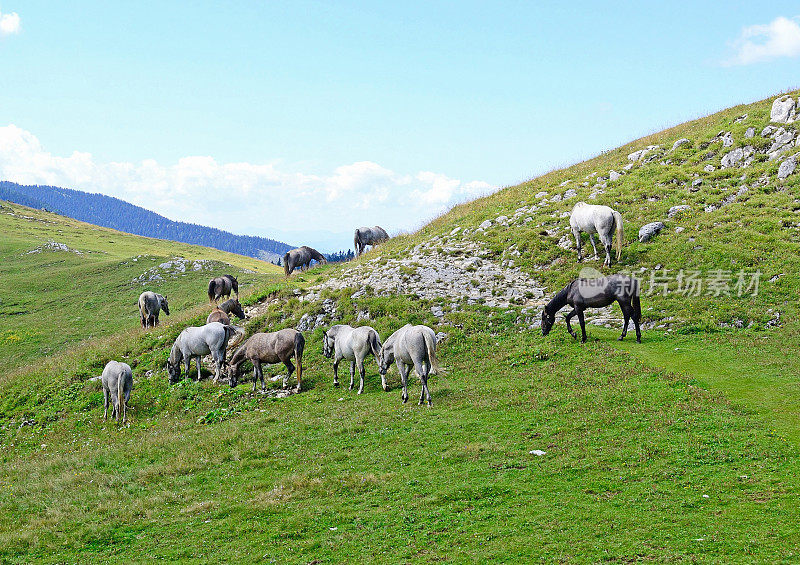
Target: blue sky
x,y
303,120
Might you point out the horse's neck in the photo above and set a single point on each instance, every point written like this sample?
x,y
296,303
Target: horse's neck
x,y
175,355
559,300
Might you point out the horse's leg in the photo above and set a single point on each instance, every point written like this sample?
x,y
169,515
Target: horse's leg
x,y
360,367
336,362
155,323
105,404
352,372
569,327
290,368
577,233
188,362
637,316
583,325
403,370
591,240
626,314
423,369
198,361
260,376
606,241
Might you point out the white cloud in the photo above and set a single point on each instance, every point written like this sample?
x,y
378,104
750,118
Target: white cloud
x,y
258,199
9,23
764,42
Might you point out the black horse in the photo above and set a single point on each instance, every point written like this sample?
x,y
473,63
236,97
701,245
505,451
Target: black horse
x,y
301,257
222,286
368,236
596,293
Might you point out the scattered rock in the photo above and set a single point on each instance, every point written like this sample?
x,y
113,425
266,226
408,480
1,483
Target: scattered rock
x,y
437,311
782,142
750,132
485,225
768,130
787,167
571,193
681,141
783,110
678,209
696,185
613,175
648,231
727,139
740,119
709,168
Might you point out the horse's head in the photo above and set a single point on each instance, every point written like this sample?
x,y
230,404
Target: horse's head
x,y
237,310
327,345
547,322
386,358
174,372
165,305
233,374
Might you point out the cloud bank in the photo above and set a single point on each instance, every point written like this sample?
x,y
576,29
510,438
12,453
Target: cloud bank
x,y
258,199
9,23
765,42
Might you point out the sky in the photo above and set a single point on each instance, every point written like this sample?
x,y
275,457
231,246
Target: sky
x,y
301,121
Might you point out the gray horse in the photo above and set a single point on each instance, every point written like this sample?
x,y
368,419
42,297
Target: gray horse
x,y
222,286
353,344
196,342
221,313
602,220
150,304
411,346
368,236
274,347
117,380
301,257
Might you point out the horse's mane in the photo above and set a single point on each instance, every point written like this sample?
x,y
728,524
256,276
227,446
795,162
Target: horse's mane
x,y
559,300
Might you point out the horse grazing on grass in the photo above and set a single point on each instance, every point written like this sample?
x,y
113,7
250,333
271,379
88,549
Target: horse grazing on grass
x,y
222,286
117,381
196,342
301,257
596,293
368,236
274,347
411,346
602,220
353,344
150,304
221,313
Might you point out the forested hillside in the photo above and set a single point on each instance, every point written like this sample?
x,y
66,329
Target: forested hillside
x,y
117,214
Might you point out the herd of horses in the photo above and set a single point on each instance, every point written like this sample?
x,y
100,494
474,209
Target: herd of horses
x,y
409,347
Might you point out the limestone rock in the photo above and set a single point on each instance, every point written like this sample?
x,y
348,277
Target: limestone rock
x,y
751,131
787,167
681,141
648,231
614,175
678,209
784,110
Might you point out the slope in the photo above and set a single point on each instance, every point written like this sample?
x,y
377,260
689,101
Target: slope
x,y
641,461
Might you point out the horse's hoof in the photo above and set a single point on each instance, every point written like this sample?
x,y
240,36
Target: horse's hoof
x,y
620,338
638,341
336,384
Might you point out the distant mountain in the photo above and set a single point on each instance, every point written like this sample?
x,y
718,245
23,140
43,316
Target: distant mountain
x,y
117,214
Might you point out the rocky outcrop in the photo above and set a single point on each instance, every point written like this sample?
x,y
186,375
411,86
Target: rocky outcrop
x,y
648,231
787,167
784,110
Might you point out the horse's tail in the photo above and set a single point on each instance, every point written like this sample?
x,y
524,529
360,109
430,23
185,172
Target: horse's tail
x,y
286,263
121,397
620,233
375,344
299,344
212,285
430,344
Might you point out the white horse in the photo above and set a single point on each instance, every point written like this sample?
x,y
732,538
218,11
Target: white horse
x,y
411,346
196,342
353,344
603,221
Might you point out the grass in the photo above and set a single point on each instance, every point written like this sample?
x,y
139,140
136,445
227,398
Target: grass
x,y
682,448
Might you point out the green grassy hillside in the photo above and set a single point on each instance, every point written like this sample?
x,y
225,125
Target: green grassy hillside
x,y
65,281
682,448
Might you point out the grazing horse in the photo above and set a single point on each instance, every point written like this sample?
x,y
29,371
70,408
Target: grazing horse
x,y
596,293
150,304
272,347
222,286
221,313
602,220
301,257
196,342
117,380
353,344
411,346
368,236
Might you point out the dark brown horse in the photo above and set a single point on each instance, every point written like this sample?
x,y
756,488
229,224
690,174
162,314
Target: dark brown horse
x,y
301,257
221,313
222,286
596,293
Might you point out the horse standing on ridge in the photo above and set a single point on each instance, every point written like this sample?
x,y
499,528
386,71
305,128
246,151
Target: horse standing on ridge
x,y
596,293
222,286
602,220
150,304
368,236
301,257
